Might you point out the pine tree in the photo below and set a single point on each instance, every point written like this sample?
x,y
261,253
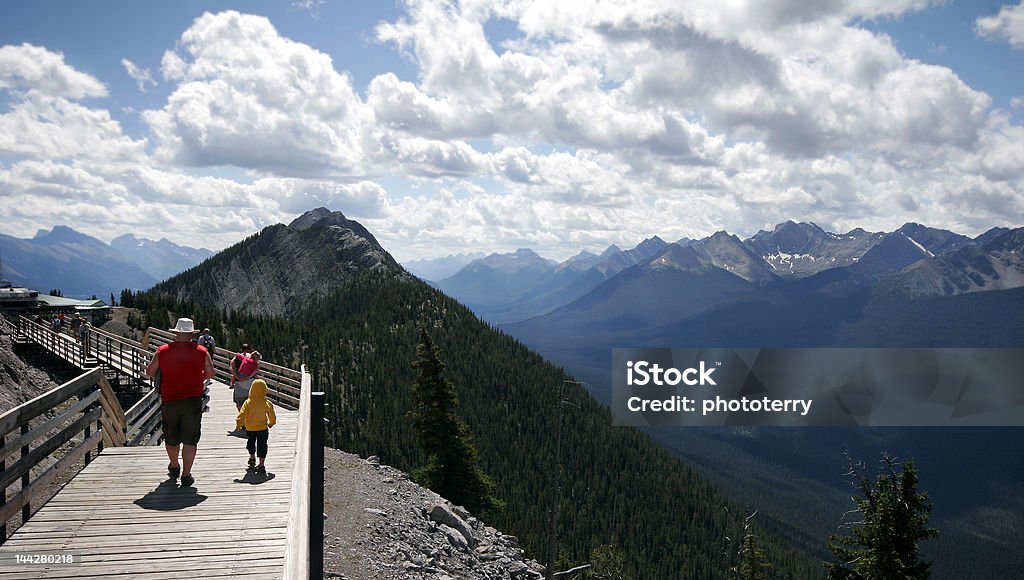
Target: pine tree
x,y
607,562
752,562
894,518
446,440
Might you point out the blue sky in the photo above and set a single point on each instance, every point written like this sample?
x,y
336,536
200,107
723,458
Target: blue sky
x,y
449,127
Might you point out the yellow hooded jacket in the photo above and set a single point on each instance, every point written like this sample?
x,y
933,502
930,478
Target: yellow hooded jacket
x,y
257,412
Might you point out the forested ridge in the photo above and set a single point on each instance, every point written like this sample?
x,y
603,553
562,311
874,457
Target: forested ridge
x,y
617,486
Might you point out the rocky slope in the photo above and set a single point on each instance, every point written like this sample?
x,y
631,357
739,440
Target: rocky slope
x,y
381,525
283,267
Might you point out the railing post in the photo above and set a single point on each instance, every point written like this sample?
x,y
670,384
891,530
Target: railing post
x,y
26,510
316,485
88,454
3,465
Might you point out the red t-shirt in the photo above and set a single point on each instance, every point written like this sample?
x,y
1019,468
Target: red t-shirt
x,y
182,365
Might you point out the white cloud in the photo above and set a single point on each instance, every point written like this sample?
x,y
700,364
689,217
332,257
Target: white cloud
x,y
248,97
29,67
310,6
141,76
49,127
592,123
294,196
1007,25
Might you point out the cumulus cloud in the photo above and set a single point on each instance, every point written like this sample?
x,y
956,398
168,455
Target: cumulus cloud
x,y
589,123
29,67
141,76
1007,25
295,196
250,98
52,127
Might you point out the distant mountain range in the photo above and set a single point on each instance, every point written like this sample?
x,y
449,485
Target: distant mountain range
x,y
80,265
161,259
439,268
508,288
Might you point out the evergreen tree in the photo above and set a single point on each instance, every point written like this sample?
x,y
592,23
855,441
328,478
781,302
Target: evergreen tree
x,y
446,440
893,519
607,562
112,303
752,561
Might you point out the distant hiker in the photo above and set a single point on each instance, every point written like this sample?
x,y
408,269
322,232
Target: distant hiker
x,y
76,322
60,321
257,417
84,330
55,323
184,366
245,373
207,341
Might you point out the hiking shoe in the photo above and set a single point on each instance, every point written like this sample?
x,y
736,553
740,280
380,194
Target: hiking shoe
x,y
173,471
261,470
187,480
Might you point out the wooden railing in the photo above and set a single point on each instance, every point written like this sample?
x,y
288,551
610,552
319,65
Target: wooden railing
x,y
124,354
84,407
145,422
284,384
59,343
304,555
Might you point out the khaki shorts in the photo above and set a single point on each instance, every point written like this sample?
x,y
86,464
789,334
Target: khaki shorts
x,y
182,421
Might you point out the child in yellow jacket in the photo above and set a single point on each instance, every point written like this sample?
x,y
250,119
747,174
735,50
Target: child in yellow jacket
x,y
257,416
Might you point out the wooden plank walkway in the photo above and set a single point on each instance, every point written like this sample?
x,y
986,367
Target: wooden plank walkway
x,y
124,517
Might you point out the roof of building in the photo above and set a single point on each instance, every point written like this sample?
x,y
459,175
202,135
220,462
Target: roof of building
x,y
62,302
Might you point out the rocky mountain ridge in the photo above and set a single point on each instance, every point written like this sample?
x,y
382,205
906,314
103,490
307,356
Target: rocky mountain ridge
x,y
282,267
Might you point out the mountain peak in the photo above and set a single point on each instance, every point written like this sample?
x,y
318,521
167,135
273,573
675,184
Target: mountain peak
x,y
317,217
124,239
612,249
65,235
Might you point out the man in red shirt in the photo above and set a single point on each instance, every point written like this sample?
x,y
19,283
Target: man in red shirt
x,y
184,367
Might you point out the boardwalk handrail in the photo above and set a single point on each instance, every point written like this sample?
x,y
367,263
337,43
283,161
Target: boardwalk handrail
x,y
59,343
85,405
303,556
284,384
121,353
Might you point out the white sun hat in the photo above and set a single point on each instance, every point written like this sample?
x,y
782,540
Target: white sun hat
x,y
184,325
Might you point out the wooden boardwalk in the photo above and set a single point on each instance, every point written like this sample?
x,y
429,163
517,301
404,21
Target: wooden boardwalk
x,y
124,517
